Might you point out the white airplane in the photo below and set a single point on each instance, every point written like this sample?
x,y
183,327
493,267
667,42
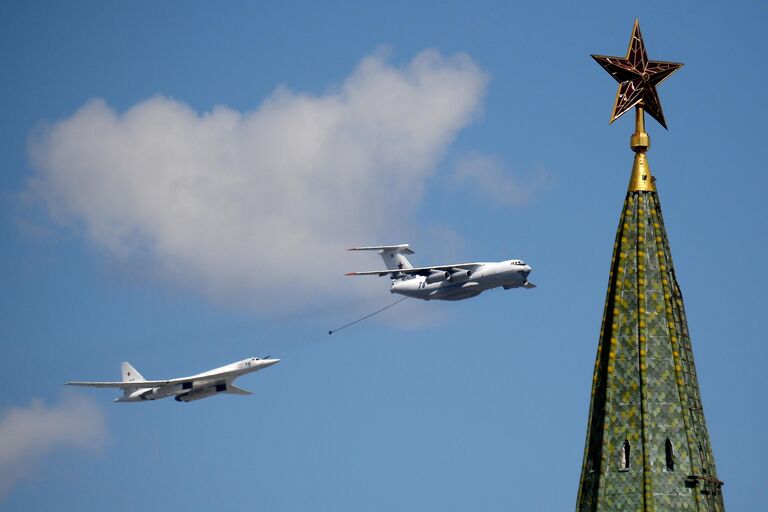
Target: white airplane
x,y
446,282
186,389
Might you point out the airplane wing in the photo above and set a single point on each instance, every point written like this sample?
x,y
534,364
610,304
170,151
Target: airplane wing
x,y
237,391
421,271
123,385
135,384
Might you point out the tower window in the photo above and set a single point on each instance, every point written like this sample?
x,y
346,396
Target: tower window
x,y
624,462
669,455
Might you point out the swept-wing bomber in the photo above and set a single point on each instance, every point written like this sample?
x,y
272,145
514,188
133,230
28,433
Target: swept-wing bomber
x,y
456,281
186,389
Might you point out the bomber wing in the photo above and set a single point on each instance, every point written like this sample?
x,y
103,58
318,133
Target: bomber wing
x,y
124,385
211,377
237,391
421,271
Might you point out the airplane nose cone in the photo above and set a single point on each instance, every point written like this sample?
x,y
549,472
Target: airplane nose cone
x,y
269,362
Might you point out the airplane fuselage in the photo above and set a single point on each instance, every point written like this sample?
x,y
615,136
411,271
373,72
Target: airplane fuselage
x,y
463,284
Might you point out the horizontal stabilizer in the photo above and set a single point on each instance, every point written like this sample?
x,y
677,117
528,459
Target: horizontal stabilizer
x,y
401,248
529,285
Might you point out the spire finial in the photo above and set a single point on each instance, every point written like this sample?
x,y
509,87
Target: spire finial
x,y
638,78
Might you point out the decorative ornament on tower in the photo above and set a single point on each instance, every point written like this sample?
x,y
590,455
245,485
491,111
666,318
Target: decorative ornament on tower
x,y
647,445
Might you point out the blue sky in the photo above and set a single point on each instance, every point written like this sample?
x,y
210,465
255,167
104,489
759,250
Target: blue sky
x,y
181,180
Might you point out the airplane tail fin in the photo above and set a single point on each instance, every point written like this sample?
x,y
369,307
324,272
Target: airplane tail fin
x,y
131,374
393,255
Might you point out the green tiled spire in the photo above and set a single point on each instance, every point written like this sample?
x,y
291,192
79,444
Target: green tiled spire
x,y
647,446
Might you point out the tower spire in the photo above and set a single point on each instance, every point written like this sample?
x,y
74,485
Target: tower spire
x,y
647,445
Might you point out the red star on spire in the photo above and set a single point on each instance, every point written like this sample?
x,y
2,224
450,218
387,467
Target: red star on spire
x,y
638,78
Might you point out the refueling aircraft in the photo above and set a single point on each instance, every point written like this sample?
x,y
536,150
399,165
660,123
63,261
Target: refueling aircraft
x,y
186,389
456,281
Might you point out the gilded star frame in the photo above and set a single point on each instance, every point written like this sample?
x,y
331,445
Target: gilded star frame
x,y
638,78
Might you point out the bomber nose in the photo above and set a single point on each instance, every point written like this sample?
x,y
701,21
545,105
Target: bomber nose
x,y
269,362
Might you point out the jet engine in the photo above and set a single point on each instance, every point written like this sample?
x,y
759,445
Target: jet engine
x,y
436,276
460,275
143,394
197,394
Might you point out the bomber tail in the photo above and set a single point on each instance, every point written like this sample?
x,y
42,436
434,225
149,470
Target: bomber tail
x,y
393,255
131,374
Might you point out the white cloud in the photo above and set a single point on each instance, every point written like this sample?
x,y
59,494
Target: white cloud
x,y
490,180
27,434
259,206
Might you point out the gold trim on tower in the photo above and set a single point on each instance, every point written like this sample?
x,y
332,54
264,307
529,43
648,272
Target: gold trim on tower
x,y
642,179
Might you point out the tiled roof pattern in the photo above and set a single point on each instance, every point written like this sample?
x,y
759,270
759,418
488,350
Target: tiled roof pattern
x,y
645,388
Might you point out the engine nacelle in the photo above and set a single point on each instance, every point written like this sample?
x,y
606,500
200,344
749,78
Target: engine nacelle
x,y
144,394
197,394
436,276
460,275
